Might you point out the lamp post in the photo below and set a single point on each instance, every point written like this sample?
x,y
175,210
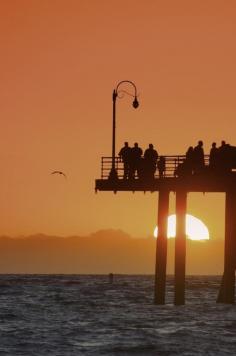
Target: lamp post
x,y
113,173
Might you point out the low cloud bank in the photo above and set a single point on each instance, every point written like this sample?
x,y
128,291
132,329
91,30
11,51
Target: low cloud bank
x,y
101,253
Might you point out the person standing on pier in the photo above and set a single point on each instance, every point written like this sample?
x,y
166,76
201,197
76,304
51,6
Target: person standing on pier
x,y
224,157
198,156
189,162
150,157
125,155
214,156
135,160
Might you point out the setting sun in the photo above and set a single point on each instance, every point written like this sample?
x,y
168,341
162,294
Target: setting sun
x,y
195,228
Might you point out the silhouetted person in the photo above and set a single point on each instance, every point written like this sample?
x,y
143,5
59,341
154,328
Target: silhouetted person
x,y
189,162
125,154
135,160
198,157
190,154
224,157
161,165
214,156
150,157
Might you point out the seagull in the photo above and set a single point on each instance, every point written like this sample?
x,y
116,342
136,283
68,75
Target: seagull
x,y
59,172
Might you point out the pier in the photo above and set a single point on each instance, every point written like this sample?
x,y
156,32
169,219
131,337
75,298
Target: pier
x,y
205,181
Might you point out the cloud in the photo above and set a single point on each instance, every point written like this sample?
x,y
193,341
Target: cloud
x,y
102,252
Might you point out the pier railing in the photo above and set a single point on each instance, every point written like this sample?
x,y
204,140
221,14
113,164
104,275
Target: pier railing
x,y
171,165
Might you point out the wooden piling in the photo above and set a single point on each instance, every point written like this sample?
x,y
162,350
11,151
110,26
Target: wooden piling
x,y
227,289
180,247
161,247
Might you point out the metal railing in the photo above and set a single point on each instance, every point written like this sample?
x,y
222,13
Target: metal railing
x,y
171,165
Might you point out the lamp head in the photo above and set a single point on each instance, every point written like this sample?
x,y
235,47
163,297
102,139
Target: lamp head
x,y
135,102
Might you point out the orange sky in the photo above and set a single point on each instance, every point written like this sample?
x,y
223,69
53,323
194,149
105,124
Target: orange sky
x,y
60,61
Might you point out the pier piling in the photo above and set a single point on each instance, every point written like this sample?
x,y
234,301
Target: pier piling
x,y
161,247
227,289
180,247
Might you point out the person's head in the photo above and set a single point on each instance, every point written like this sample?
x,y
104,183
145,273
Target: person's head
x,y
190,148
200,143
223,143
126,144
136,144
213,145
151,145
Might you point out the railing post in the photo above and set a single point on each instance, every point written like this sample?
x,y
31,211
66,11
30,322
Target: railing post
x,y
102,167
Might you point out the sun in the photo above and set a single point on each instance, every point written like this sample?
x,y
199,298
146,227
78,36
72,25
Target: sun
x,y
195,228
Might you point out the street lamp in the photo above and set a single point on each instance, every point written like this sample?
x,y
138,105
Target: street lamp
x,y
113,173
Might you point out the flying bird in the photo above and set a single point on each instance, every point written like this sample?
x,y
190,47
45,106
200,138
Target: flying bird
x,y
59,172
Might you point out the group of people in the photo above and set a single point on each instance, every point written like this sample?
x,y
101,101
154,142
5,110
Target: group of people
x,y
144,165
221,159
194,161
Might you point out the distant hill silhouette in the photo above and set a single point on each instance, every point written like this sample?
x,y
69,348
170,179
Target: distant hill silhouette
x,y
101,252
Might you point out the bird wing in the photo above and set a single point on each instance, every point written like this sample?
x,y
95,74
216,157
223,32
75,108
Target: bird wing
x,y
59,172
54,172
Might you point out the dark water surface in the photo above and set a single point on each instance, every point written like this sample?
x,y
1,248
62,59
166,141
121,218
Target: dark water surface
x,y
85,315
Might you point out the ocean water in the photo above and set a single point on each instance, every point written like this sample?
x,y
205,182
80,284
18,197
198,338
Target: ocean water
x,y
85,315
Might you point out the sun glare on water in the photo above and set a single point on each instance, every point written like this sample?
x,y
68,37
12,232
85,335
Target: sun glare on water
x,y
195,228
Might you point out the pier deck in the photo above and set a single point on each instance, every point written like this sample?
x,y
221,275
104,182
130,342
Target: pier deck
x,y
205,181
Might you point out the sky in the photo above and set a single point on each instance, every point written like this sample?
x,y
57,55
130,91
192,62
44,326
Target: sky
x,y
61,60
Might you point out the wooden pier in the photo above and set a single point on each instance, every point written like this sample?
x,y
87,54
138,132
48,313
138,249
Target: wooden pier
x,y
205,181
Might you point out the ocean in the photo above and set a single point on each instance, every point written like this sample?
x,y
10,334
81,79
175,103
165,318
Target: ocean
x,y
61,315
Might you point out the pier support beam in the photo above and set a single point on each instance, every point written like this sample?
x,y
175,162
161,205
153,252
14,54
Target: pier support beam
x,y
161,247
180,247
227,289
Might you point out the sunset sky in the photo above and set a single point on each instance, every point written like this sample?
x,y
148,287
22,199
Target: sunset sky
x,y
60,61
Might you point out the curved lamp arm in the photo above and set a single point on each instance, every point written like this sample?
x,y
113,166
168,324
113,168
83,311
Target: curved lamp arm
x,y
115,92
